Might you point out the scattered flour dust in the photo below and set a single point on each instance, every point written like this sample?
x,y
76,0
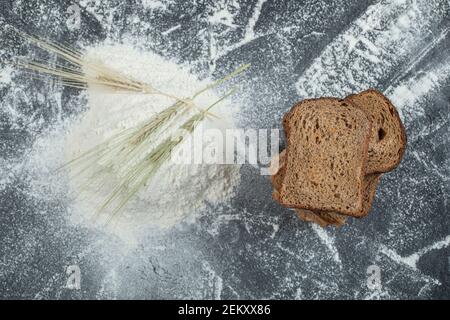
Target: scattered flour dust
x,y
388,35
177,191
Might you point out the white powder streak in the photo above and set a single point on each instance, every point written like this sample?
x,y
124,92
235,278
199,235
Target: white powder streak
x,y
170,30
423,53
223,17
414,258
328,241
406,94
250,29
389,34
249,35
155,4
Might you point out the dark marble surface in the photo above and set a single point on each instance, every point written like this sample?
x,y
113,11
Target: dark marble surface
x,y
251,247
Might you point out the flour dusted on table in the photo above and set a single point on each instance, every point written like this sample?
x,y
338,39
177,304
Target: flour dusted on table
x,y
177,191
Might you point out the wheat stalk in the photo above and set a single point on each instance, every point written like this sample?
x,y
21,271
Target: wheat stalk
x,y
127,153
83,73
130,156
122,152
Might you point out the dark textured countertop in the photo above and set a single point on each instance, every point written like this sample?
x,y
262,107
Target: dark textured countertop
x,y
252,247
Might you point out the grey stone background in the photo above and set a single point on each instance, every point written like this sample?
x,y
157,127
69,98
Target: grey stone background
x,y
251,247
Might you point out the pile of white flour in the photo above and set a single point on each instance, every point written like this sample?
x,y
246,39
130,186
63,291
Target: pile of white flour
x,y
177,191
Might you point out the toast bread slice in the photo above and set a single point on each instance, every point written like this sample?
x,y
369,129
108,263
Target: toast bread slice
x,y
388,138
323,218
307,215
328,147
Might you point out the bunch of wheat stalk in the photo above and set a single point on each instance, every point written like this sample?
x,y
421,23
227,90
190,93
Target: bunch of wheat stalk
x,y
134,154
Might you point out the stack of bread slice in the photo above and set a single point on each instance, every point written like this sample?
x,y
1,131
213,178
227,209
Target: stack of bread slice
x,y
336,152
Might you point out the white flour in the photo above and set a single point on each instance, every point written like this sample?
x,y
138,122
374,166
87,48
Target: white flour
x,y
177,191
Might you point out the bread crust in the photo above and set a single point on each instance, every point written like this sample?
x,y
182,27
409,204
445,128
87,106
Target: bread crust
x,y
310,216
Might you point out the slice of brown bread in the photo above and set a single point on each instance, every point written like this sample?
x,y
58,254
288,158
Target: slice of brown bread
x,y
325,219
337,219
388,139
383,134
327,143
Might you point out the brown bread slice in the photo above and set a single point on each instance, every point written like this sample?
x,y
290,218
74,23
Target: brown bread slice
x,y
388,139
327,142
323,220
337,219
376,107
